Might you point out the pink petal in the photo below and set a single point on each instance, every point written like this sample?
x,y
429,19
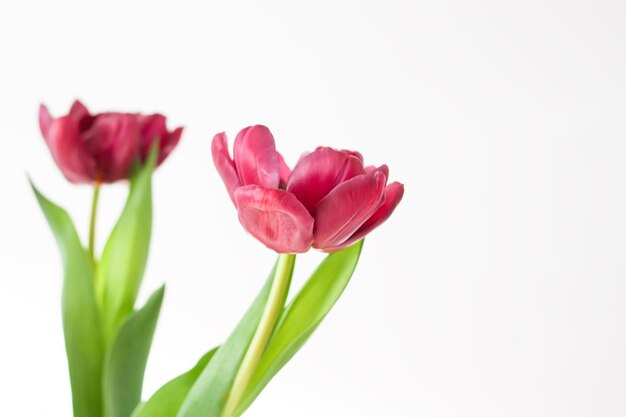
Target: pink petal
x,y
256,158
346,208
224,164
154,128
275,217
168,145
393,196
69,151
79,112
45,119
113,139
354,153
283,169
318,172
383,168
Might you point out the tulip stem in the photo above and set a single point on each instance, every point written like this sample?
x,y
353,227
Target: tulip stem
x,y
273,307
92,221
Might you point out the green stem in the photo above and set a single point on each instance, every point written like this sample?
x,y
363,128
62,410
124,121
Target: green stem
x,y
92,221
271,312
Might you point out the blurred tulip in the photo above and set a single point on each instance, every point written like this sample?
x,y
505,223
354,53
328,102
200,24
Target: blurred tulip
x,y
103,147
329,201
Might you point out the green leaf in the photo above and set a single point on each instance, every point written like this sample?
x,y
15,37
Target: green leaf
x,y
125,254
208,395
126,360
302,316
167,400
81,317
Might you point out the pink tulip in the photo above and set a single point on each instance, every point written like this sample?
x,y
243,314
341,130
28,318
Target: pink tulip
x,y
329,201
103,147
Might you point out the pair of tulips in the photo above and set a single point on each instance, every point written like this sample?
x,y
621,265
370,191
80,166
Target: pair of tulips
x,y
329,201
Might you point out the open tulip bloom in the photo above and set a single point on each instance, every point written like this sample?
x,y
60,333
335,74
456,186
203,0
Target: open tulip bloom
x,y
330,201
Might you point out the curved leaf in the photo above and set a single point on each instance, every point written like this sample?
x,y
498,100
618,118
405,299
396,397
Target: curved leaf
x,y
208,395
167,400
302,316
125,254
126,360
81,317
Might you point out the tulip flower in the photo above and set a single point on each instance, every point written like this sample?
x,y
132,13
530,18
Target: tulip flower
x,y
103,148
329,201
107,336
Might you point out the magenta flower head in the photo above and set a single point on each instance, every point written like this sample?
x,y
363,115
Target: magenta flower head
x,y
329,201
103,147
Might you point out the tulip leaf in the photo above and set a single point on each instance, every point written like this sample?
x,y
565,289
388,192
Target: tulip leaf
x,y
302,316
208,395
125,254
126,360
166,402
81,317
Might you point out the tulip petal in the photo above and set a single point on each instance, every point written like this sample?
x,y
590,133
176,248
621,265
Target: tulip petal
x,y
318,172
346,208
383,168
283,169
354,153
275,217
79,112
168,145
45,119
224,164
69,151
113,139
256,158
393,196
154,128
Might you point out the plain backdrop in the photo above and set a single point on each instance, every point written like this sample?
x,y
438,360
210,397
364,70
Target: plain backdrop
x,y
496,289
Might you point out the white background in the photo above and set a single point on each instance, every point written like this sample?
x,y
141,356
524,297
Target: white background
x,y
497,288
